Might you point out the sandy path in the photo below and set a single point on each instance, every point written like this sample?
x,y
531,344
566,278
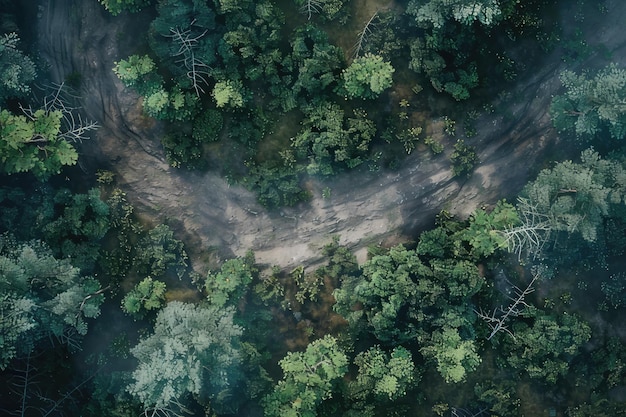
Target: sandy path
x,y
364,208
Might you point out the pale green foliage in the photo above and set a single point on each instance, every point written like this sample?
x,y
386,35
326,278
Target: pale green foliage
x,y
148,295
131,70
591,104
367,76
576,197
454,356
40,297
17,70
437,12
484,232
116,7
33,144
193,350
385,375
229,284
155,103
308,379
228,93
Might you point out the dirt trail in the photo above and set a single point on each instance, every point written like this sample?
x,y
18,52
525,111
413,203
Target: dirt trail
x,y
79,36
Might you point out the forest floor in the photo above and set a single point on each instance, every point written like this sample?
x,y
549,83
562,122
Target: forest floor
x,y
364,208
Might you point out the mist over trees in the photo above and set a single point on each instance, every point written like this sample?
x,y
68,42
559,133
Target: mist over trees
x,y
514,310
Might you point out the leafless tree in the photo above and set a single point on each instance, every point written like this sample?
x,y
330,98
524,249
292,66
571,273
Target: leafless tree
x,y
464,412
197,71
497,320
531,236
175,409
363,35
74,127
311,6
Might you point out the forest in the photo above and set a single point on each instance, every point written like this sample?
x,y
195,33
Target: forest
x,y
301,208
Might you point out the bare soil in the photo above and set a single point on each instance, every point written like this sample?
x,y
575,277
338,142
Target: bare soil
x,y
78,36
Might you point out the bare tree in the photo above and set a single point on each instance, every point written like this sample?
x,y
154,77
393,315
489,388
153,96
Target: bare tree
x,y
363,35
311,6
497,320
74,127
464,412
197,71
531,236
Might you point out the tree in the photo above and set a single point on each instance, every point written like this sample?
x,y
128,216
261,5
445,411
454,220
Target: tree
x,y
577,197
386,376
367,76
545,347
193,351
17,70
466,12
464,159
454,356
41,297
147,295
33,144
590,105
131,71
228,93
116,7
229,285
308,379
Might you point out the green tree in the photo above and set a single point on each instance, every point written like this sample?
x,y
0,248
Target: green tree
x,y
591,104
466,12
384,375
228,93
34,144
116,7
308,379
147,295
464,159
367,76
230,284
17,70
193,351
577,197
454,356
41,297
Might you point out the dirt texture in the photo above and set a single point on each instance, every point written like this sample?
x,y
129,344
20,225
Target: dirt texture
x,y
364,208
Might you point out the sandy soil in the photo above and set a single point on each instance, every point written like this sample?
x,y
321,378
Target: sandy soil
x,y
365,208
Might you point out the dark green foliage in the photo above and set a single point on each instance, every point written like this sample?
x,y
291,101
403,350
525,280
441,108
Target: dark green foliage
x,y
159,252
591,105
544,346
276,187
330,141
183,150
207,126
615,290
464,159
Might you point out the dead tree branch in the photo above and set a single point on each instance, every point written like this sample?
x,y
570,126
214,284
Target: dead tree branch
x,y
531,236
197,71
309,7
497,320
73,126
363,35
